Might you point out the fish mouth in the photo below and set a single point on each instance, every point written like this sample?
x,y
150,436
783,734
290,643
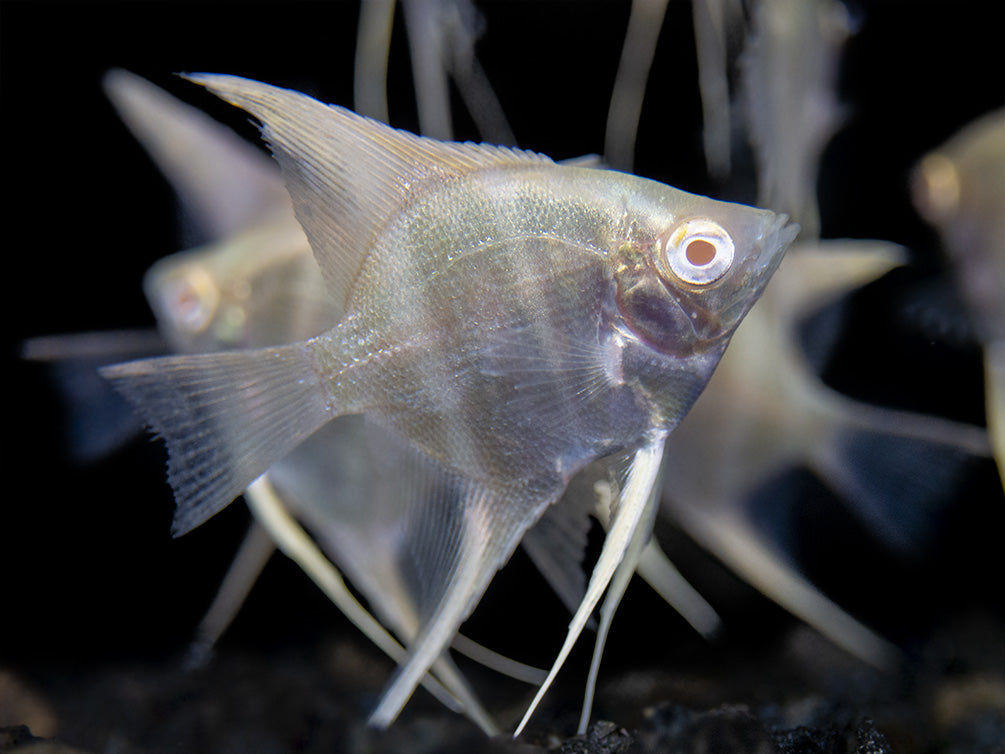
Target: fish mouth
x,y
778,234
773,241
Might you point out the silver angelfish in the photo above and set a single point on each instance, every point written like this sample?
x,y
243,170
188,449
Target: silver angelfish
x,y
512,318
960,188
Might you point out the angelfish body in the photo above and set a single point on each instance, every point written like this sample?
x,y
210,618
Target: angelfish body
x,y
501,349
511,318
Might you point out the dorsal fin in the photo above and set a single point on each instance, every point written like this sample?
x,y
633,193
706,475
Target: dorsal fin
x,y
348,175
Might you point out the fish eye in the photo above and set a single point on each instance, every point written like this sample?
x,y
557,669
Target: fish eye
x,y
192,298
698,252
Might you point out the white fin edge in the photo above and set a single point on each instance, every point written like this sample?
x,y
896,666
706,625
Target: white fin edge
x,y
619,583
638,491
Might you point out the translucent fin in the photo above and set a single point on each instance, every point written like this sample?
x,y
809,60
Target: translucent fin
x,y
353,483
632,521
789,80
738,545
373,44
637,54
98,420
616,590
894,468
294,542
348,174
715,21
225,418
460,538
223,182
500,663
656,570
251,557
426,40
557,543
396,522
820,273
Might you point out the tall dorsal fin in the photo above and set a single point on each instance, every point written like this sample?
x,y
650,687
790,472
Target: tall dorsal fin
x,y
348,175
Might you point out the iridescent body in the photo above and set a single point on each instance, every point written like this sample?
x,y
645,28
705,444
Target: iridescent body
x,y
512,319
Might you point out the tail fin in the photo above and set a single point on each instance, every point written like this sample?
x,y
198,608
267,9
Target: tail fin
x,y
225,418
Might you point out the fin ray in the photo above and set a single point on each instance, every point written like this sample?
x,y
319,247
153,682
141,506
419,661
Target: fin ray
x,y
225,418
348,174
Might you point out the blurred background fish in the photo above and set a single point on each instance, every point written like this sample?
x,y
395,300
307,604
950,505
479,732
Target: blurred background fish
x,y
767,412
876,130
960,188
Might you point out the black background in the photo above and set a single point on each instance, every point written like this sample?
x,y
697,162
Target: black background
x,y
87,565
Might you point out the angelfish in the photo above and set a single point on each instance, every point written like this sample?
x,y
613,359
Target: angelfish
x,y
511,318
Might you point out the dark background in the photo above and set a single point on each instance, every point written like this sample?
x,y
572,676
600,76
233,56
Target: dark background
x,y
87,565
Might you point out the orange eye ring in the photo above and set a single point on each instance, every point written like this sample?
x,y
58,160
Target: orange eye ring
x,y
698,252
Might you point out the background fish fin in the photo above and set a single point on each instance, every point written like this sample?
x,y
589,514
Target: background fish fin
x,y
820,273
224,183
718,25
821,276
631,524
255,550
994,392
427,43
373,40
457,535
594,161
897,470
348,174
499,663
352,482
347,482
738,544
98,420
657,570
789,69
270,511
224,417
625,109
463,24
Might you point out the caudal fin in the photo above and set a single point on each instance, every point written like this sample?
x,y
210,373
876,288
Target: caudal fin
x,y
225,418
